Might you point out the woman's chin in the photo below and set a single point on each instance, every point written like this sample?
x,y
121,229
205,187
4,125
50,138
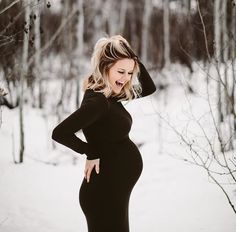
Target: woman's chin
x,y
116,90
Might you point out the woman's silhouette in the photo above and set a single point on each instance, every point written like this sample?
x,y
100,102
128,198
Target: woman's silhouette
x,y
113,163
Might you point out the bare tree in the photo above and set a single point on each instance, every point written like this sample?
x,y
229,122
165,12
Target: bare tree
x,y
80,46
220,168
186,5
37,63
225,55
218,162
145,29
9,6
123,12
217,51
23,74
112,11
233,57
166,26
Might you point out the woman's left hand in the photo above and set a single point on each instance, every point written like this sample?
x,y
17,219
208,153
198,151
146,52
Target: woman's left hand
x,y
89,167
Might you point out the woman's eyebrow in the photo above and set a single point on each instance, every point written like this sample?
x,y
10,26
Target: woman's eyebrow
x,y
124,69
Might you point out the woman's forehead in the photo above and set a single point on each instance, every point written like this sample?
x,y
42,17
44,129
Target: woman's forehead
x,y
126,64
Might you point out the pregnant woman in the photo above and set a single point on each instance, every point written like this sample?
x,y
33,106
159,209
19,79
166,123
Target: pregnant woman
x,y
113,163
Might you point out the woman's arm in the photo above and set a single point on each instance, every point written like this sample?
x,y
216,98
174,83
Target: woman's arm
x,y
148,86
93,106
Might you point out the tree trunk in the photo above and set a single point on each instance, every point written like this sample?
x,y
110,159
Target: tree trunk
x,y
23,74
186,4
37,63
80,47
226,102
113,16
166,26
218,59
145,30
123,11
233,63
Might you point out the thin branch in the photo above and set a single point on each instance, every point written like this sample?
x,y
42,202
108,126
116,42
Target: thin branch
x,y
49,43
9,6
204,30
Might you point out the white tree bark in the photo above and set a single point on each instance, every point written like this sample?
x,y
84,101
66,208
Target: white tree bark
x,y
145,30
113,17
166,26
225,39
217,30
99,18
123,11
80,48
24,71
186,5
233,31
225,50
80,28
233,54
217,53
37,66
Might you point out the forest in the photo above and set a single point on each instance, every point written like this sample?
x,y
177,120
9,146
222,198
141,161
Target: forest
x,y
186,130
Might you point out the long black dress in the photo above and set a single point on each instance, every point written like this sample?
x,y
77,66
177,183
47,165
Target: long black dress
x,y
106,125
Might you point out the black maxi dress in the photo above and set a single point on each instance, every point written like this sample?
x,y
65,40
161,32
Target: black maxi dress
x,y
106,125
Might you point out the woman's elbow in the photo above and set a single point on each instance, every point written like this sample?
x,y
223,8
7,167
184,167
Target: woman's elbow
x,y
56,135
154,88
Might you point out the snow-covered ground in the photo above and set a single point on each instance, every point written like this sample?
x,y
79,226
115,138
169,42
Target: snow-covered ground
x,y
41,195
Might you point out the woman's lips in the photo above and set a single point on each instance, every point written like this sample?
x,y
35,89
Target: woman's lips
x,y
119,84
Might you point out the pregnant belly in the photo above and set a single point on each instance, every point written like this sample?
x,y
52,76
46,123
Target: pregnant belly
x,y
121,162
120,168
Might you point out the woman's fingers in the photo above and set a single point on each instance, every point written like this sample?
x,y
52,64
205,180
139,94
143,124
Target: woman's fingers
x,y
88,174
97,168
85,173
89,167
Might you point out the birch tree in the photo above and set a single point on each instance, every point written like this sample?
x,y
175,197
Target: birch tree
x,y
145,30
123,12
225,83
67,54
37,62
186,5
225,50
226,99
166,26
233,56
99,17
112,16
80,45
217,54
23,74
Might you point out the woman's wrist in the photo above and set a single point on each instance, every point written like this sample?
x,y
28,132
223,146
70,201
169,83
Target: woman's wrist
x,y
91,152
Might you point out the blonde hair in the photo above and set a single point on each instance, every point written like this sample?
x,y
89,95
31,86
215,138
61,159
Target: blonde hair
x,y
107,51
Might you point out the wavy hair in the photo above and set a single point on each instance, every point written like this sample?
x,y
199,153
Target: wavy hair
x,y
107,51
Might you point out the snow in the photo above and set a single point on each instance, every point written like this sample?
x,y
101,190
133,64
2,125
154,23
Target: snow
x,y
41,194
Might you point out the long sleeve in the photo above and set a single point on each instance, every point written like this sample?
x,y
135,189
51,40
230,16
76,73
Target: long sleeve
x,y
148,86
92,108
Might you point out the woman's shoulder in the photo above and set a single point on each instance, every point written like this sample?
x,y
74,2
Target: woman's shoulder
x,y
94,93
96,98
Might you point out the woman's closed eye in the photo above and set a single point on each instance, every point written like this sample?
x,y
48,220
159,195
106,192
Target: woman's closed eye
x,y
123,73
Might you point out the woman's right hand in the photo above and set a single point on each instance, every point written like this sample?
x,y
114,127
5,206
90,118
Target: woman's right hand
x,y
90,164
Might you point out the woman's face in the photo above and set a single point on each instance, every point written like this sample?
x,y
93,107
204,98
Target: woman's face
x,y
120,73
